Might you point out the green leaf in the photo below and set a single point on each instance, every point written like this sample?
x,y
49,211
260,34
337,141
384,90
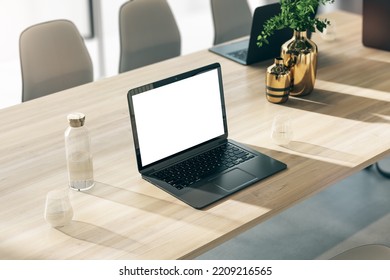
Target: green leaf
x,y
295,14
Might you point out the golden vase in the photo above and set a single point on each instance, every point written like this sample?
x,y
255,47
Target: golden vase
x,y
300,55
278,82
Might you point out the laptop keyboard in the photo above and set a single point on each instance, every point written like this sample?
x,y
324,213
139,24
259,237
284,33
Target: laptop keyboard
x,y
240,54
190,171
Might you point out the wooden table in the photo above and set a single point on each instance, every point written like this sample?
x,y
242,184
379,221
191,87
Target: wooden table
x,y
342,127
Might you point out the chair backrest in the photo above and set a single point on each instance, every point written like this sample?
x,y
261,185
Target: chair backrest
x,y
148,33
232,19
53,57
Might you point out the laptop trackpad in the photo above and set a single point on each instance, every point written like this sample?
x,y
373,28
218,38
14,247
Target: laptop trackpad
x,y
233,179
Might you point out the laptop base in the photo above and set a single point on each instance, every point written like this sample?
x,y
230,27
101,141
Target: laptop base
x,y
216,187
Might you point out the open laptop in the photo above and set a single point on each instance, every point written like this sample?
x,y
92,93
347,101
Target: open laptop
x,y
181,139
246,51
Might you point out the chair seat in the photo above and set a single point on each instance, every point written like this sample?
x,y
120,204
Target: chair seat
x,y
383,167
365,252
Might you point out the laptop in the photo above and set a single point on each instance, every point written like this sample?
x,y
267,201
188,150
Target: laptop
x,y
181,140
246,51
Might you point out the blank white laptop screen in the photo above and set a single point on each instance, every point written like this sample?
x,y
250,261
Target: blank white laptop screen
x,y
178,116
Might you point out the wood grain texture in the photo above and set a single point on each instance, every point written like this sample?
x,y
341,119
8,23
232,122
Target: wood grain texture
x,y
342,127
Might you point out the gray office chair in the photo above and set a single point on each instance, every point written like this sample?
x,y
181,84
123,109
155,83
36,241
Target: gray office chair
x,y
148,33
232,19
53,57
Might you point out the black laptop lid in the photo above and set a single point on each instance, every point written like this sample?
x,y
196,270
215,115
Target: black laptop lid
x,y
177,114
271,50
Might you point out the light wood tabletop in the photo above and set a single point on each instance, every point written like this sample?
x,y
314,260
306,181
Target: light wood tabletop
x,y
341,128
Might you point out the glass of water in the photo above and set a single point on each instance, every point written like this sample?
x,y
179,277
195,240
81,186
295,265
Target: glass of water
x,y
330,32
58,209
281,132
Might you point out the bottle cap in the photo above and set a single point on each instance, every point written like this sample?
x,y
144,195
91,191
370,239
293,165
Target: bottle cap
x,y
76,119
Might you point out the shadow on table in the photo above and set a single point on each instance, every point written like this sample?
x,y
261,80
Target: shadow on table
x,y
338,105
316,150
354,71
99,235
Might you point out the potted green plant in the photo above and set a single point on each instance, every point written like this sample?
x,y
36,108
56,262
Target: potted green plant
x,y
299,53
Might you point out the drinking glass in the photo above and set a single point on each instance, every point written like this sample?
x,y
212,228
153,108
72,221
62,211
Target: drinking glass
x,y
58,209
281,132
330,32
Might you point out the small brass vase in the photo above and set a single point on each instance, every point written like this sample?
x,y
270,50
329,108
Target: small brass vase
x,y
300,56
278,82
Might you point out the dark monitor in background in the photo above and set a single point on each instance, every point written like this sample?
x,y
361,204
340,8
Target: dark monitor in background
x,y
376,24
